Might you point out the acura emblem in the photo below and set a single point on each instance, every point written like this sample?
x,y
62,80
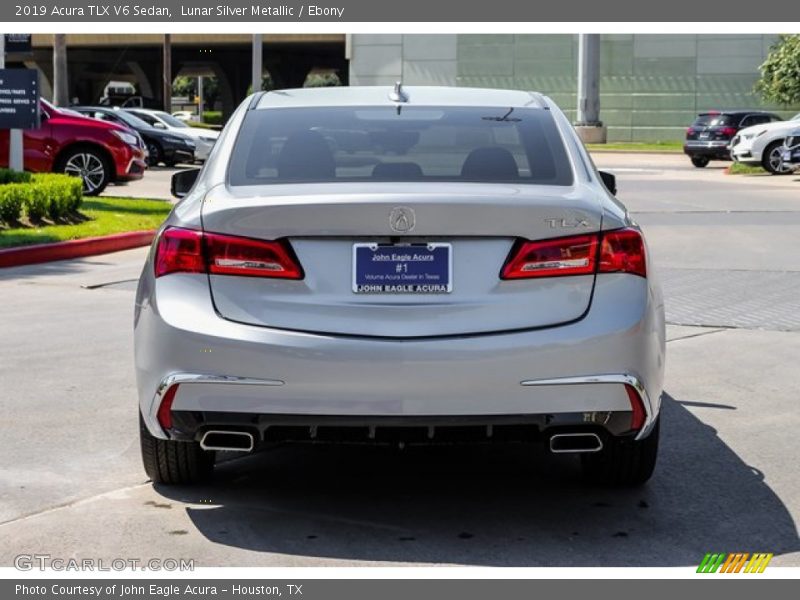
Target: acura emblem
x,y
402,219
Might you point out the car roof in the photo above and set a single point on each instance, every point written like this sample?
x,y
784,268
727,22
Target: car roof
x,y
734,112
413,96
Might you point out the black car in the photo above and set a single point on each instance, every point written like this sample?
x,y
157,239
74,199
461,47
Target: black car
x,y
168,147
709,137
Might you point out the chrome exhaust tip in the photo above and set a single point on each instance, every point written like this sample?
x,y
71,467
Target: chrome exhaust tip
x,y
567,443
232,441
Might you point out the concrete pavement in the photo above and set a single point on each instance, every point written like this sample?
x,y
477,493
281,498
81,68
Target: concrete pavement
x,y
726,481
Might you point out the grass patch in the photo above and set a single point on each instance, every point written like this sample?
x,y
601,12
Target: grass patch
x,y
200,125
97,216
740,169
674,146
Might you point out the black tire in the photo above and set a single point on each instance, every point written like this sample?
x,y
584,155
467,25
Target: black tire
x,y
771,160
171,163
153,154
171,462
699,161
90,164
622,461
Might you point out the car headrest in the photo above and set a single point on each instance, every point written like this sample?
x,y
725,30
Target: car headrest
x,y
491,163
306,155
401,171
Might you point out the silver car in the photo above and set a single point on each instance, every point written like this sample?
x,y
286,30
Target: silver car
x,y
399,265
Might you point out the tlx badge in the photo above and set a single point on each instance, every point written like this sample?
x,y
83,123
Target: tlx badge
x,y
566,223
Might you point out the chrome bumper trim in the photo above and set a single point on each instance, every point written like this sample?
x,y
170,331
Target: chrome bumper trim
x,y
170,380
615,378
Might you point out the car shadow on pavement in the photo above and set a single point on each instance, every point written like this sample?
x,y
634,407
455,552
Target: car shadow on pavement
x,y
493,506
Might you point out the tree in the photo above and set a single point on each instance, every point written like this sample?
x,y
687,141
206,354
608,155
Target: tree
x,y
780,73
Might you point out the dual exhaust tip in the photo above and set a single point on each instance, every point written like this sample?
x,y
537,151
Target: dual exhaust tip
x,y
242,441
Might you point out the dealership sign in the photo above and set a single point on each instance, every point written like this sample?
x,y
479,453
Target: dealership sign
x,y
19,98
18,43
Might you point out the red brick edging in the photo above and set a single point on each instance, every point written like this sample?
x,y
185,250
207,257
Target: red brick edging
x,y
28,255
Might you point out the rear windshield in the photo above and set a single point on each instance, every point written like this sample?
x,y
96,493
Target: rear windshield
x,y
716,121
303,145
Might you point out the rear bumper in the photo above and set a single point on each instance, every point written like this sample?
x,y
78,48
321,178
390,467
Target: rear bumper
x,y
250,372
715,149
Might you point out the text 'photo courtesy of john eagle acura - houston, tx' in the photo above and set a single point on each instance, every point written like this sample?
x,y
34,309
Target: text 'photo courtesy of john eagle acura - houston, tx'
x,y
399,265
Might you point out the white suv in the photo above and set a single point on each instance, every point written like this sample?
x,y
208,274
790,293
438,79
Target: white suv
x,y
762,144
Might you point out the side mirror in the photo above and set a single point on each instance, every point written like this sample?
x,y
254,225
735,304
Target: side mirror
x,y
182,182
610,181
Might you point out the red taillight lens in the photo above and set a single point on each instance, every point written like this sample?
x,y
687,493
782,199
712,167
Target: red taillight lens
x,y
638,414
180,251
164,414
622,251
689,130
549,258
729,131
188,251
229,255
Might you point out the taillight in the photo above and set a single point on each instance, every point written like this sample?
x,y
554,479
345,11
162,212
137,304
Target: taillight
x,y
230,255
164,414
189,251
689,130
622,251
638,414
618,251
729,131
180,251
555,257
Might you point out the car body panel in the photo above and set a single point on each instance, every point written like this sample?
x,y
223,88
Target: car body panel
x,y
310,347
749,144
61,130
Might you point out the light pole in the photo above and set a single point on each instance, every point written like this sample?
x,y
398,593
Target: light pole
x,y
588,124
258,42
166,69
60,75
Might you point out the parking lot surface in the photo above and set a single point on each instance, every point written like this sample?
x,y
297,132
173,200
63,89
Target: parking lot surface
x,y
727,479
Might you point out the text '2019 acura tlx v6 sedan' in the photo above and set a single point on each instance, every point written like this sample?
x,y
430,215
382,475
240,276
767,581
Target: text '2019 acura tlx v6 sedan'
x,y
399,265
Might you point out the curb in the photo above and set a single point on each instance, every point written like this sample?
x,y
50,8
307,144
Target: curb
x,y
38,253
654,152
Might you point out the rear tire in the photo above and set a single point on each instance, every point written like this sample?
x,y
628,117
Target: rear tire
x,y
171,462
623,461
699,161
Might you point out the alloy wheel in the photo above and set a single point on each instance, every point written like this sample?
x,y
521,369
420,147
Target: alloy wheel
x,y
89,168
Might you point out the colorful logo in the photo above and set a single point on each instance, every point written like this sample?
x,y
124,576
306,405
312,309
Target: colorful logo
x,y
736,562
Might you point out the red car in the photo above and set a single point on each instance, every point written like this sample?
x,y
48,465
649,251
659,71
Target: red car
x,y
98,151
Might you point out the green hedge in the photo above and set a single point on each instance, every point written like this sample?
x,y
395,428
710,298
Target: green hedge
x,y
38,195
212,117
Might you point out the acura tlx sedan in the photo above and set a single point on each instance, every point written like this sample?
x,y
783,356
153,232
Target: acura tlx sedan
x,y
413,265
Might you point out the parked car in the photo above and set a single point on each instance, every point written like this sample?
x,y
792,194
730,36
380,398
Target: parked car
x,y
98,152
791,151
204,139
709,137
763,144
186,116
303,293
128,101
163,146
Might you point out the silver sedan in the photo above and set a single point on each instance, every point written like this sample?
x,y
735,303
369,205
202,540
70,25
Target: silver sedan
x,y
399,265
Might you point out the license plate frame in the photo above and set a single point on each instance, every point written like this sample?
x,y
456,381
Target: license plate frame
x,y
407,272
